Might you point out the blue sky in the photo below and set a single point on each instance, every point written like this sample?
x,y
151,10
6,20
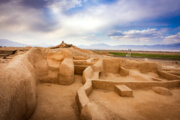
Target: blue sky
x,y
85,22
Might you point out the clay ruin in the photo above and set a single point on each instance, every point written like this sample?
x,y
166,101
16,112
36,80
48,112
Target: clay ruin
x,y
69,83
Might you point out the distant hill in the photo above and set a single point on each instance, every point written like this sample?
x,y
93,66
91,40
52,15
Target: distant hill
x,y
102,46
134,47
8,43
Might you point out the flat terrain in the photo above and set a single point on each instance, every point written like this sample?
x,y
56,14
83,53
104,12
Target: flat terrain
x,y
134,75
57,102
141,54
145,105
146,55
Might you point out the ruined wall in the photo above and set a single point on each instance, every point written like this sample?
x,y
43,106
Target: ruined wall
x,y
89,110
60,67
109,85
19,79
66,72
112,65
18,85
143,66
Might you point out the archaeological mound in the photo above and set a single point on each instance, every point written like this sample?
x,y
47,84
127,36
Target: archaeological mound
x,y
68,83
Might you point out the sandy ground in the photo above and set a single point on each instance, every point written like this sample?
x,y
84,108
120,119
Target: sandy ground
x,y
145,105
57,102
134,75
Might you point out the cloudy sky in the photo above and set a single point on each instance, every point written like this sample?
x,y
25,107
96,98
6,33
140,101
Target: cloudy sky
x,y
85,22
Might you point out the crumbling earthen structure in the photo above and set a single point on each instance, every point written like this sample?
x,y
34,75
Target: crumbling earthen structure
x,y
20,78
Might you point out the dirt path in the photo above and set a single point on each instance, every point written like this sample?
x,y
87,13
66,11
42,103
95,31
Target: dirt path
x,y
145,105
57,102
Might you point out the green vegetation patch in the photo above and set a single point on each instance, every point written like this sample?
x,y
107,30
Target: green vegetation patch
x,y
144,55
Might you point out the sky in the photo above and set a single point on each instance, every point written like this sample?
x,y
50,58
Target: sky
x,y
86,22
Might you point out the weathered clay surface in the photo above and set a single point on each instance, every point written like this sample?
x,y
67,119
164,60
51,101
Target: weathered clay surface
x,y
66,71
162,91
18,85
100,75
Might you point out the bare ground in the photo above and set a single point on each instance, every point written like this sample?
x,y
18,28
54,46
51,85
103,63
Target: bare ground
x,y
145,105
57,102
134,75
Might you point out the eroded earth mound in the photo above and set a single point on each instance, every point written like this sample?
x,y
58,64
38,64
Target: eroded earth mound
x,y
68,83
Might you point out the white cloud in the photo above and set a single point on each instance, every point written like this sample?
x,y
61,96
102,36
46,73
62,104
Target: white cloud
x,y
172,39
29,25
101,17
62,5
146,36
20,18
125,11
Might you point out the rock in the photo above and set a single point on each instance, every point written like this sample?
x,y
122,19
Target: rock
x,y
162,91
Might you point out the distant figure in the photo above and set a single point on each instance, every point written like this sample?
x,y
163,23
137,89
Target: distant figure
x,y
129,53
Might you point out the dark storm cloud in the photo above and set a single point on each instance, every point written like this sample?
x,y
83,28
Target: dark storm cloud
x,y
4,1
35,3
26,14
30,3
